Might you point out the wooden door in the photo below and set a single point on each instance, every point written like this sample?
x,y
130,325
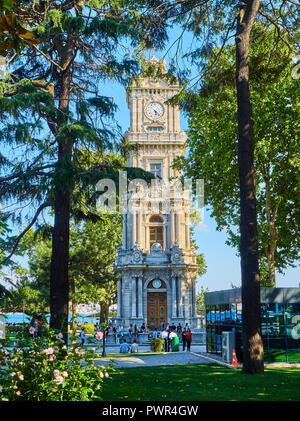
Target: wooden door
x,y
156,309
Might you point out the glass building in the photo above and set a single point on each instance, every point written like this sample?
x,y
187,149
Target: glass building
x,y
280,322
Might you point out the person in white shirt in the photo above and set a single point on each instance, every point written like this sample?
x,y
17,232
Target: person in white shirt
x,y
164,335
134,347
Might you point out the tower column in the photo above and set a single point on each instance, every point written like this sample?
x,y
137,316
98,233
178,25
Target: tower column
x,y
124,230
133,297
119,312
133,228
172,228
180,302
187,230
174,303
194,300
166,239
140,297
140,223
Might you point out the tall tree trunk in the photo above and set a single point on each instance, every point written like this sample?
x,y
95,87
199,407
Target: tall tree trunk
x,y
74,307
253,347
59,282
104,307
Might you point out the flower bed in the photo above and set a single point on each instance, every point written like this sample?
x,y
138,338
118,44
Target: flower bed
x,y
44,369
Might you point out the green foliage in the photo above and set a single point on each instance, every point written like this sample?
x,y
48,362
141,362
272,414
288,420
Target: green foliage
x,y
212,143
200,303
157,344
89,328
44,369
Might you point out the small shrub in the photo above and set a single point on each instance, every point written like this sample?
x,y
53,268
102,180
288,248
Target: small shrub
x,y
89,328
157,344
44,369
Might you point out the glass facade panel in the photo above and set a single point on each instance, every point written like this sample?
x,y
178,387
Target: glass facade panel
x,y
280,326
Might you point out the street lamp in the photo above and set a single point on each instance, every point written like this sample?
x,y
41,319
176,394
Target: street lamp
x,y
103,351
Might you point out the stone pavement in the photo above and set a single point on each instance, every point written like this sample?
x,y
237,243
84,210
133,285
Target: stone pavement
x,y
168,358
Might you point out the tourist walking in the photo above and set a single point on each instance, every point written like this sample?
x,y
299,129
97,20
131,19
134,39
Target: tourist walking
x,y
164,335
130,333
82,336
136,332
154,334
189,337
175,343
169,339
183,336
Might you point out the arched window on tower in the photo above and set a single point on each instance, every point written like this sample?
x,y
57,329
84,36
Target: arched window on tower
x,y
156,229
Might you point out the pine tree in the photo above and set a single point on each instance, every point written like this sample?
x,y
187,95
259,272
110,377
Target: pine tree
x,y
51,106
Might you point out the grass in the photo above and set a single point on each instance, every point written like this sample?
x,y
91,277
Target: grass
x,y
278,355
207,382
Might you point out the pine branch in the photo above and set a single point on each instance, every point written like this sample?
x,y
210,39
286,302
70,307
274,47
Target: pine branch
x,y
20,236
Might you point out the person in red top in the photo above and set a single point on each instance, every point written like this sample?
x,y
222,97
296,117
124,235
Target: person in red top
x,y
189,337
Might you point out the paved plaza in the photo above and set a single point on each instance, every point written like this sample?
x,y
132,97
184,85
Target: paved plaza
x,y
168,358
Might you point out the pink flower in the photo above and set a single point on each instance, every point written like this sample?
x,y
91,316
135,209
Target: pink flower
x,y
18,392
101,374
49,351
99,336
15,387
59,379
20,375
31,330
56,373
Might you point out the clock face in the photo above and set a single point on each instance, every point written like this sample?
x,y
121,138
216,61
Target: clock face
x,y
156,283
154,110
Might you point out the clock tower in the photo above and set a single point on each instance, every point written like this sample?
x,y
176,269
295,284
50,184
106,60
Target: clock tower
x,y
157,262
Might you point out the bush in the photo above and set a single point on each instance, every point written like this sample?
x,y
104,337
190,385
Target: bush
x,y
44,369
157,344
89,328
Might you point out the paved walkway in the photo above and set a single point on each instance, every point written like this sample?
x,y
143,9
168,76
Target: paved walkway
x,y
169,358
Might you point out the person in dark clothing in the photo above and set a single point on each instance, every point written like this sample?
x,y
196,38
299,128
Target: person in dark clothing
x,y
183,336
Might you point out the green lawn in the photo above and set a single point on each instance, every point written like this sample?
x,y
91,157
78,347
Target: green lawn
x,y
279,355
201,383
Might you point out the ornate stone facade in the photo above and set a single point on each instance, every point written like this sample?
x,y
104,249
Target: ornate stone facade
x,y
156,261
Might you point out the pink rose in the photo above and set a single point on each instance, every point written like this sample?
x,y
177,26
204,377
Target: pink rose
x,y
59,379
99,336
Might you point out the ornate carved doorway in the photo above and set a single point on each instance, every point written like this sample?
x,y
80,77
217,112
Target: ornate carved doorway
x,y
157,304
